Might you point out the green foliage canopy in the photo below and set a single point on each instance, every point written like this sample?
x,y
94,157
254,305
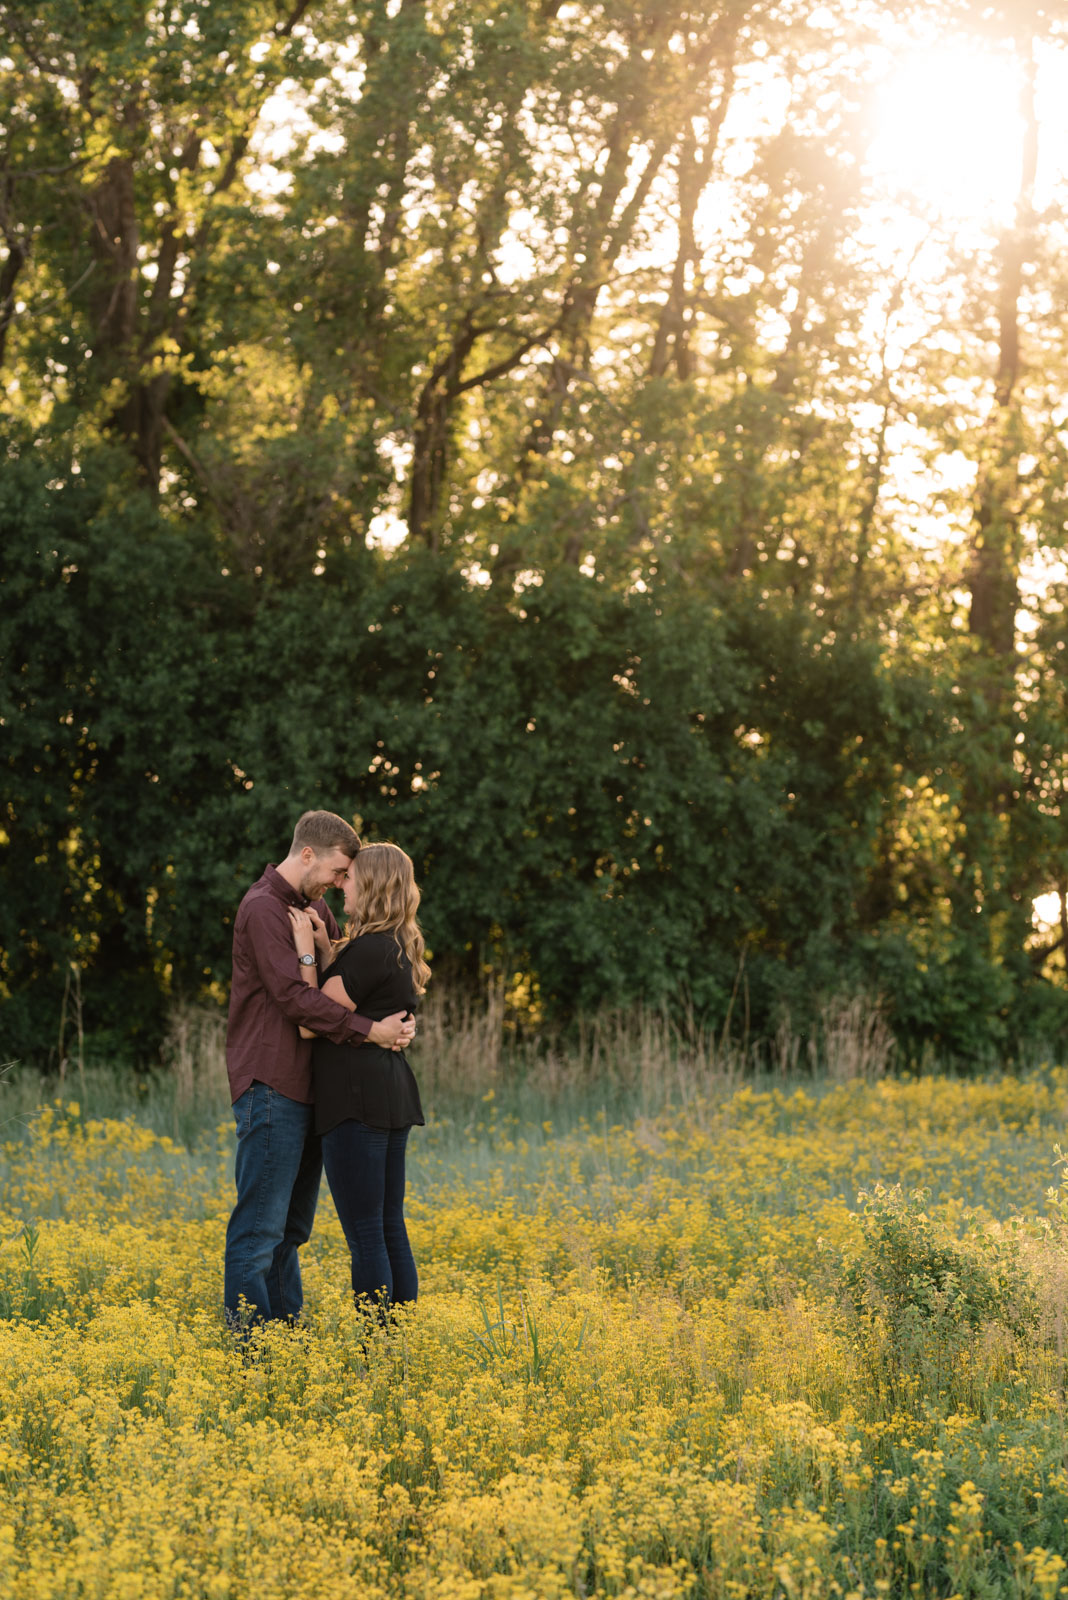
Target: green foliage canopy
x,y
659,674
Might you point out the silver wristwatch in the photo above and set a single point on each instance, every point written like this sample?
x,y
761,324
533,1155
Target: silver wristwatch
x,y
306,961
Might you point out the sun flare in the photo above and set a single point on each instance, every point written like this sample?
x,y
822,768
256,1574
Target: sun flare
x,y
948,129
1047,910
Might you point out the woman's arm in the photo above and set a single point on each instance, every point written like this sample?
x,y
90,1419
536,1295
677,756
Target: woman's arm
x,y
324,949
304,939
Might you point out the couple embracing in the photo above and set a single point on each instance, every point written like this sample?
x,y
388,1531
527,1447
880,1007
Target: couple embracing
x,y
315,1045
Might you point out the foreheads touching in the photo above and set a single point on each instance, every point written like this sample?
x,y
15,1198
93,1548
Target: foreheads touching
x,y
322,831
323,846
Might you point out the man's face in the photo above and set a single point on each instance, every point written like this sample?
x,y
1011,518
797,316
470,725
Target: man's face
x,y
322,872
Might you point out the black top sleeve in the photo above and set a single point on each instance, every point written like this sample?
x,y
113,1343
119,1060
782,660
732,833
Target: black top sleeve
x,y
377,975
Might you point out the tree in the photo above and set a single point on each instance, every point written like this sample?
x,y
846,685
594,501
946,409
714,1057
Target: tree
x,y
587,310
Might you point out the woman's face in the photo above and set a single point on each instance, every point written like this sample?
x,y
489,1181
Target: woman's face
x,y
350,889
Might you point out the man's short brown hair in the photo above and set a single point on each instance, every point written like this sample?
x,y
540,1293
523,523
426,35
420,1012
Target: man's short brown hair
x,y
323,831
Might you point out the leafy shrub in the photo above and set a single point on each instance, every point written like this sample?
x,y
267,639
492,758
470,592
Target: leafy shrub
x,y
921,1293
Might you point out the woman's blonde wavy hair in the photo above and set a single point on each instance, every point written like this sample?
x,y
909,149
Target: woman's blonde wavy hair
x,y
387,899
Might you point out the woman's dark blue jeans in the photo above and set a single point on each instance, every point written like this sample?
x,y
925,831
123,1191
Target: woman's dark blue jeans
x,y
365,1171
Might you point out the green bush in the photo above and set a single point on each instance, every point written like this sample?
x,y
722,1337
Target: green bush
x,y
920,1294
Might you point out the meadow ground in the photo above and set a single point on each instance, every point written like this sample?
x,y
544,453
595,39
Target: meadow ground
x,y
660,1350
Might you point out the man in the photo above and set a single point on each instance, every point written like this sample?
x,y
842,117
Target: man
x,y
279,1164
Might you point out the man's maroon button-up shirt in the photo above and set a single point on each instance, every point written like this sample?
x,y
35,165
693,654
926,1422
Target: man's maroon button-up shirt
x,y
269,1000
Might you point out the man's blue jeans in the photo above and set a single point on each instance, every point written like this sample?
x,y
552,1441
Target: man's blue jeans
x,y
278,1169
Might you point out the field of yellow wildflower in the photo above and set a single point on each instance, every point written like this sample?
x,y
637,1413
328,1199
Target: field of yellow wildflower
x,y
782,1342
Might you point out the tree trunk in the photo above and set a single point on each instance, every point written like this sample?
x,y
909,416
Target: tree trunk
x,y
753,518
993,579
17,256
601,232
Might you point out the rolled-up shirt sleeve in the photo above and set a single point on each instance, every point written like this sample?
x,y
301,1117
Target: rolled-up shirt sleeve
x,y
271,946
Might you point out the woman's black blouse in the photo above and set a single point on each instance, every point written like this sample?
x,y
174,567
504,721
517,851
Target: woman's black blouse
x,y
374,1086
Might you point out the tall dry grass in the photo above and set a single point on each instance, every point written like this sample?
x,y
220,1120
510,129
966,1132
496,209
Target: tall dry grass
x,y
467,1045
658,1055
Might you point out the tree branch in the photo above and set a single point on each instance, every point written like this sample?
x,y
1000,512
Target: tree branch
x,y
283,28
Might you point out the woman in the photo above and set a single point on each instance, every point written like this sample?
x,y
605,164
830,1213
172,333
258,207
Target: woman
x,y
366,1097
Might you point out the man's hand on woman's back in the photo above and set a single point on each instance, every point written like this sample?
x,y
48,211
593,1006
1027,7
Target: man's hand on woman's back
x,y
394,1032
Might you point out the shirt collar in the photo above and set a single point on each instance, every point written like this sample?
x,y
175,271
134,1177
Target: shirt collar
x,y
285,891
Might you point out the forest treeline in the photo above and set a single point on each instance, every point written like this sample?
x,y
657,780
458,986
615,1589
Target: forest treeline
x,y
489,419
